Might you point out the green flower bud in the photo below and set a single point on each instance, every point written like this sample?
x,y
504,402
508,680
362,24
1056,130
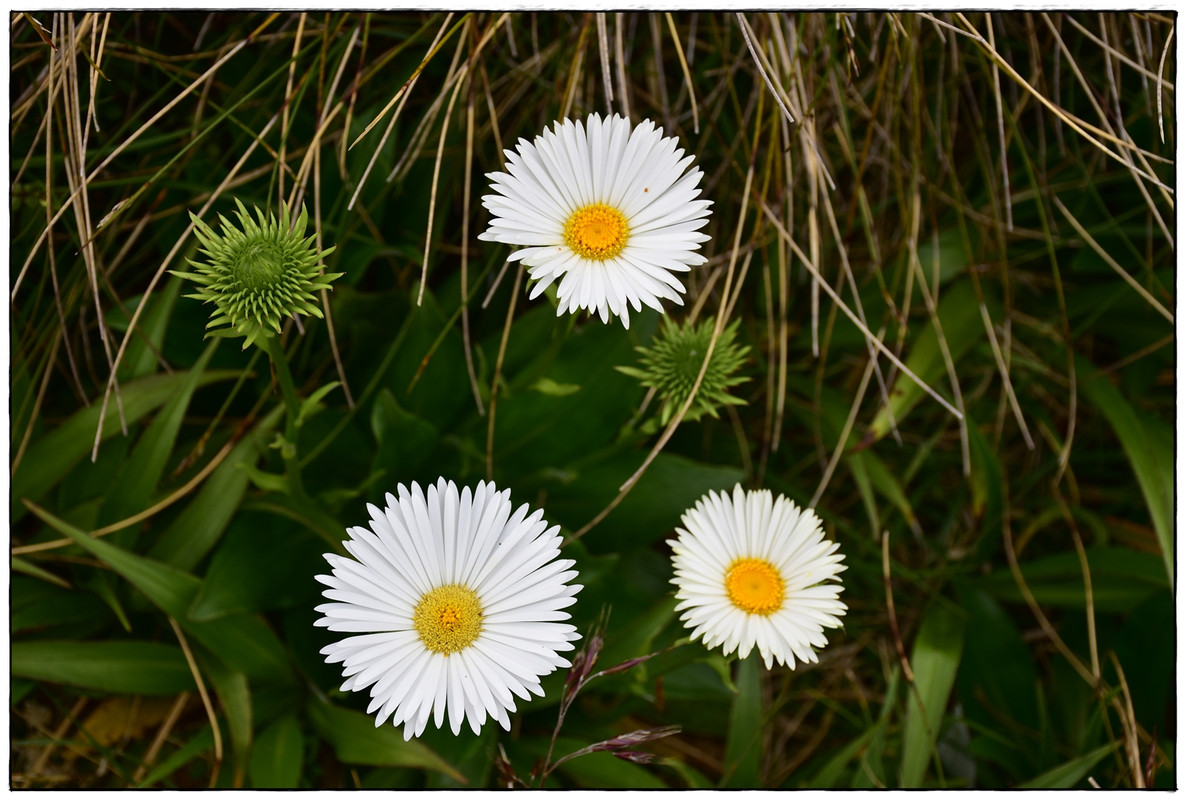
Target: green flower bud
x,y
258,275
672,362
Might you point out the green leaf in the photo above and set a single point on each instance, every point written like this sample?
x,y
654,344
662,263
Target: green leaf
x,y
1149,445
140,358
694,778
988,493
29,568
312,404
1070,773
265,481
860,476
1002,693
535,431
197,528
405,440
235,583
39,606
830,772
356,740
881,478
1121,579
243,641
869,471
637,637
234,696
959,315
103,585
871,764
548,386
278,756
650,511
118,667
52,456
934,660
743,748
199,744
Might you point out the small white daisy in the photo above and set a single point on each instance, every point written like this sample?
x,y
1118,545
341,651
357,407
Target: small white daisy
x,y
456,603
754,570
607,210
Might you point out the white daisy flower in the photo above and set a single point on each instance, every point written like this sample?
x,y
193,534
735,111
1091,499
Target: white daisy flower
x,y
456,605
751,571
607,210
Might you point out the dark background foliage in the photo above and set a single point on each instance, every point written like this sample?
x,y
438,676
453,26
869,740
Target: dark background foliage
x,y
991,195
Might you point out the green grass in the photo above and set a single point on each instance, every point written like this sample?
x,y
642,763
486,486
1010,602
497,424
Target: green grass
x,y
946,239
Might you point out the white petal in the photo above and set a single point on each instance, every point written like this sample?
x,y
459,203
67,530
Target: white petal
x,y
722,528
636,170
423,540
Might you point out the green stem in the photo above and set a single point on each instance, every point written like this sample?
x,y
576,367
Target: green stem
x,y
271,345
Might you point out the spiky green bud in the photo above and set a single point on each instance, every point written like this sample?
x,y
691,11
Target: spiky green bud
x,y
672,362
258,273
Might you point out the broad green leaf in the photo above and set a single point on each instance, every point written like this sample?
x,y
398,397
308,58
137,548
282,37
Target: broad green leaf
x,y
831,771
959,315
869,471
470,755
103,583
1002,693
988,493
1149,671
140,358
29,568
934,660
637,636
306,514
535,431
860,476
649,511
312,404
743,747
356,740
119,667
38,606
405,440
694,778
1121,579
870,770
1070,773
18,690
199,744
234,696
1149,445
243,641
278,756
235,583
550,387
53,455
884,481
266,481
197,528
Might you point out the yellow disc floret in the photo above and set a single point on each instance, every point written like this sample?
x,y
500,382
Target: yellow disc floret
x,y
448,618
596,231
755,586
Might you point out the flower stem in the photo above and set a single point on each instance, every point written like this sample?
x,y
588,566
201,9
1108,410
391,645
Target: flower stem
x,y
271,345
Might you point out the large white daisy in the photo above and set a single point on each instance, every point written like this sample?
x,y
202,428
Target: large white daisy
x,y
751,571
606,209
455,603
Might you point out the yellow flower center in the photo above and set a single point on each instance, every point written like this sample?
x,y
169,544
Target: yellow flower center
x,y
755,586
448,618
596,231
